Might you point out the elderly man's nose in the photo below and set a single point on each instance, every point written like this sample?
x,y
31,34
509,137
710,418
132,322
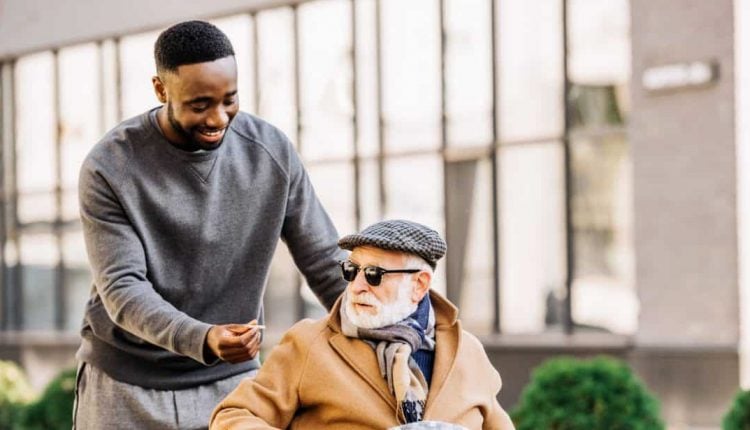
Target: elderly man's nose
x,y
359,284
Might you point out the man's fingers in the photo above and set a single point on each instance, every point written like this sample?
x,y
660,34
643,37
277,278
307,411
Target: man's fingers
x,y
242,342
237,328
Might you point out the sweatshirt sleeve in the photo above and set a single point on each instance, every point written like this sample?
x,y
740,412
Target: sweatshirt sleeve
x,y
118,264
271,399
311,236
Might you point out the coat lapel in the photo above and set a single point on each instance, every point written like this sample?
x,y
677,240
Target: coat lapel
x,y
361,357
447,341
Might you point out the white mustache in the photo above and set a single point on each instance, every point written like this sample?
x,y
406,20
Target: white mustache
x,y
366,298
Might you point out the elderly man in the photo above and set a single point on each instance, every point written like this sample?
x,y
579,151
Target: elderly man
x,y
391,351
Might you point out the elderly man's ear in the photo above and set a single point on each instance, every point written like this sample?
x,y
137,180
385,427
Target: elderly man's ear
x,y
422,286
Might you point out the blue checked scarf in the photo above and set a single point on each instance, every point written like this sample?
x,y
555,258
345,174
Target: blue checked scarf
x,y
393,347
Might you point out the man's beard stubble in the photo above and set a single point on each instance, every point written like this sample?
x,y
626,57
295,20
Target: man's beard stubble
x,y
191,143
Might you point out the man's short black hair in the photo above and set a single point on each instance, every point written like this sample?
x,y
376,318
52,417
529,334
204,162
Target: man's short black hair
x,y
190,42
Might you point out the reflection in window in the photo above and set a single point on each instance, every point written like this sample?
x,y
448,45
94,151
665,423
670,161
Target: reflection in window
x,y
325,93
594,107
603,293
36,137
603,289
276,69
468,72
533,237
411,74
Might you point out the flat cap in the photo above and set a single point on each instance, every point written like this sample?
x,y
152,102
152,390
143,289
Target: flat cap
x,y
400,235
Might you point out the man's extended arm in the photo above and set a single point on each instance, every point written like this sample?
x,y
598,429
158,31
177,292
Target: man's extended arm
x,y
271,399
311,237
118,262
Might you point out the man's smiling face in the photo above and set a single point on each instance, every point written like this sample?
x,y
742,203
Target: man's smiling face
x,y
201,100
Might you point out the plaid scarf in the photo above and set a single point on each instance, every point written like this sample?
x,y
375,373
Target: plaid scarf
x,y
393,347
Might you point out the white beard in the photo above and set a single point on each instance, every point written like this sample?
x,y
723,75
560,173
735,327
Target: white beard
x,y
385,313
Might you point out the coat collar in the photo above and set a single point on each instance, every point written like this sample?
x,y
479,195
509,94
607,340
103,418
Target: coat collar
x,y
361,358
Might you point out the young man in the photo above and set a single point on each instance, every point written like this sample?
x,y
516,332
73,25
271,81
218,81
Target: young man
x,y
182,208
391,351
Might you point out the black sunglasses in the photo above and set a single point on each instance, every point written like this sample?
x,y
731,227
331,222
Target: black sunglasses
x,y
373,274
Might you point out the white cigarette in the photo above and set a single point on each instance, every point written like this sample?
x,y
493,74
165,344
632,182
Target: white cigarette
x,y
255,325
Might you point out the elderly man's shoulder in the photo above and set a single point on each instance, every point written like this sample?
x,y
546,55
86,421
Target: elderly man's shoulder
x,y
308,330
471,343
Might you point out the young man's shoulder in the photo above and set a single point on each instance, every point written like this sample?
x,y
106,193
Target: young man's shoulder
x,y
257,130
116,146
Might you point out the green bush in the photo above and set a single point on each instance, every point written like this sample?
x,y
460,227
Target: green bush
x,y
54,409
598,394
15,391
738,417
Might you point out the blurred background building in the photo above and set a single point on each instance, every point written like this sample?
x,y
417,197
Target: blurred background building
x,y
587,161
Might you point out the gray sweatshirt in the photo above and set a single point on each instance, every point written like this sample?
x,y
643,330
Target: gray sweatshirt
x,y
178,241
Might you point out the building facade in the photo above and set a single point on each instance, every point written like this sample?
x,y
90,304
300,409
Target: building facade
x,y
583,159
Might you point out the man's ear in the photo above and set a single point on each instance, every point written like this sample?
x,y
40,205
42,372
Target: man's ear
x,y
423,286
159,89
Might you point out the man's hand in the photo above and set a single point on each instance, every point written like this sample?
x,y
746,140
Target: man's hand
x,y
234,343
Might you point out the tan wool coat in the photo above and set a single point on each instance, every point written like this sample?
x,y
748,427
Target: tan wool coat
x,y
317,378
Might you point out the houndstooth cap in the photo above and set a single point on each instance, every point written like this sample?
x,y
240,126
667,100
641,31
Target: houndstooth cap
x,y
400,235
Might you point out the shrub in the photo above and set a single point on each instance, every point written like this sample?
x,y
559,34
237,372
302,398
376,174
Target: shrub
x,y
54,409
597,394
738,416
15,391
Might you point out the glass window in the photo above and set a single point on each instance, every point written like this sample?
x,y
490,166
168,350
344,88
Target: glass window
x,y
530,68
470,259
326,89
6,126
110,108
603,289
36,137
279,300
532,237
603,293
10,310
276,69
369,188
411,74
39,258
367,79
599,42
77,279
468,72
137,67
79,109
239,30
334,185
414,191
